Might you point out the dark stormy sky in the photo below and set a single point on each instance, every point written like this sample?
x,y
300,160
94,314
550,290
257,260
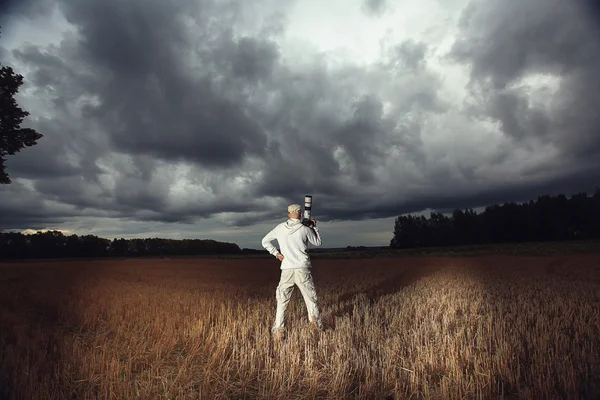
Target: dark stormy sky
x,y
206,118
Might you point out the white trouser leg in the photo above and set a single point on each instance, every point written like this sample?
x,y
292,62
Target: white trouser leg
x,y
283,293
304,281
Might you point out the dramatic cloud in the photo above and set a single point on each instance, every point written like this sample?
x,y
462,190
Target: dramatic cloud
x,y
534,71
207,118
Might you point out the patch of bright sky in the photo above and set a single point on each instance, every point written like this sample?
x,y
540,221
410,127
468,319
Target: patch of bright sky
x,y
65,232
339,24
342,29
540,88
40,31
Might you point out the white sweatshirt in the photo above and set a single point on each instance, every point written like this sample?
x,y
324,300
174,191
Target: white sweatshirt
x,y
293,239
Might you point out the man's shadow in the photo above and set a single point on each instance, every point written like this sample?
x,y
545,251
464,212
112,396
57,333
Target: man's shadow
x,y
389,285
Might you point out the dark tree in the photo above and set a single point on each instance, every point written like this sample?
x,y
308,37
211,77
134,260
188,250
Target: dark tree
x,y
54,244
549,218
13,138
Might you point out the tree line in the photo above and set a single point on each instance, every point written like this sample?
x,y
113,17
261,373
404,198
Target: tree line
x,y
55,244
549,218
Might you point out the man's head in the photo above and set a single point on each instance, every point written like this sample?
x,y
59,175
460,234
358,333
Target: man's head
x,y
294,211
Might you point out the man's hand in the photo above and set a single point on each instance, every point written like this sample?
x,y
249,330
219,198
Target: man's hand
x,y
280,256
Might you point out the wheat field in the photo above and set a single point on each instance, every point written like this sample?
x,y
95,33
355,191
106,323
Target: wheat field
x,y
487,327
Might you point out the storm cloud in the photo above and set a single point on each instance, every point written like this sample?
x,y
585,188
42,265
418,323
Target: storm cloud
x,y
212,116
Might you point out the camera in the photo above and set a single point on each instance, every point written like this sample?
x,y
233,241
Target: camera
x,y
306,215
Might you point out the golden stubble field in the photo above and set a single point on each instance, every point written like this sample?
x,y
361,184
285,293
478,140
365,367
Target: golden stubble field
x,y
422,328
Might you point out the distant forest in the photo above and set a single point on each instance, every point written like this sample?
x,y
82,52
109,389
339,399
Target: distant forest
x,y
549,218
54,244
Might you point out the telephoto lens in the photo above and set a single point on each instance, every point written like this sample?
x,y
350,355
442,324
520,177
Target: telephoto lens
x,y
306,217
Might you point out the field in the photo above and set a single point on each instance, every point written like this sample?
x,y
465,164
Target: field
x,y
484,326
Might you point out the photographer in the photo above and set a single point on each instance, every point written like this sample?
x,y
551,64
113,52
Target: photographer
x,y
293,238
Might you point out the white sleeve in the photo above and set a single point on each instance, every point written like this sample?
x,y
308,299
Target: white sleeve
x,y
267,242
314,237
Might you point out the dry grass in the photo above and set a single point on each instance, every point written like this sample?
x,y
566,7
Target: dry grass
x,y
487,327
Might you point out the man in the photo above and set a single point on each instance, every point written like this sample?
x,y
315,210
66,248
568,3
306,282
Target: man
x,y
293,238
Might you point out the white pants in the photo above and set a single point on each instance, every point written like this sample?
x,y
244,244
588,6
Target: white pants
x,y
302,278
